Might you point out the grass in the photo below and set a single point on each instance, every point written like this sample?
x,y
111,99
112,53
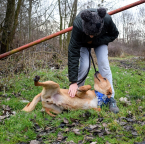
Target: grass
x,y
21,127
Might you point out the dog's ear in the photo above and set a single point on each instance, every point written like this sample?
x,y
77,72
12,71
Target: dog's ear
x,y
109,92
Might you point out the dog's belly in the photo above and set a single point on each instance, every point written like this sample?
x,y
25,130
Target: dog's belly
x,y
57,99
75,103
93,104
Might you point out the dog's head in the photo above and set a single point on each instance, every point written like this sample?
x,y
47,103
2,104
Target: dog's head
x,y
102,84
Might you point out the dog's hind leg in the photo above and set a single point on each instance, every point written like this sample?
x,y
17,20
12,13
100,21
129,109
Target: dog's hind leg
x,y
47,84
97,109
49,107
48,112
31,105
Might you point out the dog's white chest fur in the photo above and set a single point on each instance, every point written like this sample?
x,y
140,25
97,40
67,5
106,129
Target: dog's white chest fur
x,y
92,104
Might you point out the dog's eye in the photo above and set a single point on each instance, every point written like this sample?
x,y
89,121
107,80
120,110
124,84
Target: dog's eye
x,y
104,78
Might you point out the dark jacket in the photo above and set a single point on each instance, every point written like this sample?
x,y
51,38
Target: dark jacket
x,y
79,39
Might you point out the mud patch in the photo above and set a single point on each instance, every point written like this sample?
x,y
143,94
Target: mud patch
x,y
133,63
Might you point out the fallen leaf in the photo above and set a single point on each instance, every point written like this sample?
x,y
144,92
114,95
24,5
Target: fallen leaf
x,y
80,142
100,134
138,101
100,119
62,125
93,142
67,130
34,142
106,131
87,129
3,117
8,99
88,138
130,114
70,142
94,126
128,128
123,123
134,133
96,131
74,120
76,131
107,142
124,100
104,124
59,137
126,92
140,108
65,120
129,119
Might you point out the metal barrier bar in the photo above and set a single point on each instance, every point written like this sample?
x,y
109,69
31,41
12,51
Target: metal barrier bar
x,y
64,31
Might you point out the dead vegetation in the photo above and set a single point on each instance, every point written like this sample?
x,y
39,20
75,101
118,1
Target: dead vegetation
x,y
32,59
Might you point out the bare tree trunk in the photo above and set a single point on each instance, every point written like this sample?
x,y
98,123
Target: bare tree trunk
x,y
123,28
29,15
61,23
8,25
65,18
15,21
72,17
20,25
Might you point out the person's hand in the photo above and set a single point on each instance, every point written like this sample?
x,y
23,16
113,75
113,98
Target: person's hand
x,y
73,89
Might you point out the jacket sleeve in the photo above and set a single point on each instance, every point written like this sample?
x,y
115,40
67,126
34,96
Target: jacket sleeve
x,y
110,35
74,54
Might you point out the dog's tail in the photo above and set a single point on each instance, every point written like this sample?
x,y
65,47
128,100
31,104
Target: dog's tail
x,y
31,105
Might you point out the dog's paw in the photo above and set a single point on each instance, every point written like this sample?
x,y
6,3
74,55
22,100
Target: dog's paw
x,y
37,78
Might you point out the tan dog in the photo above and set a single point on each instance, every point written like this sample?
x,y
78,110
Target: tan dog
x,y
56,100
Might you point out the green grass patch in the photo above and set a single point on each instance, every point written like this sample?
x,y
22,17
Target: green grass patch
x,y
22,127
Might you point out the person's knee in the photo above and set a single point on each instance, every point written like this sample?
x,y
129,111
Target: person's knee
x,y
103,63
84,64
104,67
85,67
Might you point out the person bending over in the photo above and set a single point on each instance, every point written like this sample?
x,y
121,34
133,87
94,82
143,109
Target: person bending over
x,y
92,28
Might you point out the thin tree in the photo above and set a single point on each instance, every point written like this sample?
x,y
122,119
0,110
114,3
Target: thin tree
x,y
10,25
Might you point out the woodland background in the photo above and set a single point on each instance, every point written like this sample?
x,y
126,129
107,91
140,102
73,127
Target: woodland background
x,y
23,21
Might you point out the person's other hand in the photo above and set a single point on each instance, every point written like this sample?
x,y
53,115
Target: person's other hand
x,y
73,89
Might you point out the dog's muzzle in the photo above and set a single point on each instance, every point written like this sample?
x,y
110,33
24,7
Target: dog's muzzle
x,y
96,73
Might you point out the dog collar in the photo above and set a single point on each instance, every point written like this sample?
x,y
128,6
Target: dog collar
x,y
98,94
102,98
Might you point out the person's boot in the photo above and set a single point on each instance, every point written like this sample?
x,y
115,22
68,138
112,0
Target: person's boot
x,y
112,105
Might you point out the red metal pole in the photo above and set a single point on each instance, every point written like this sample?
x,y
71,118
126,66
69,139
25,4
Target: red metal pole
x,y
126,7
64,31
35,42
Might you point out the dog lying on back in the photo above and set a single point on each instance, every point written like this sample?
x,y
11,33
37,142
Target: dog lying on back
x,y
56,100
